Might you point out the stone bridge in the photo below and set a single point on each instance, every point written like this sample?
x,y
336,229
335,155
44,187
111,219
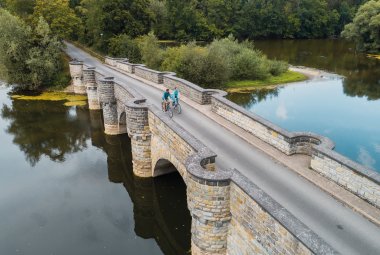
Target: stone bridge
x,y
230,213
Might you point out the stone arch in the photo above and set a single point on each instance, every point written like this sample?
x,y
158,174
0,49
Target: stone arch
x,y
162,167
122,121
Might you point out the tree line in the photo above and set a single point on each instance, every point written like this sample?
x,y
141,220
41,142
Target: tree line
x,y
114,26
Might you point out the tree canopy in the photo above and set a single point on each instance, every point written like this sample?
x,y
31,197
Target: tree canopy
x,y
365,28
31,56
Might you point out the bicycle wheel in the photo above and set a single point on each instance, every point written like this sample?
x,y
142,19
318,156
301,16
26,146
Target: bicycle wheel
x,y
178,108
170,112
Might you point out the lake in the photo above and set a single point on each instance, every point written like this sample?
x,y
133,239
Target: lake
x,y
66,188
345,109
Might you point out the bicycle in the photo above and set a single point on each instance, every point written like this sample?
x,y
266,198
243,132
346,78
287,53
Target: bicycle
x,y
170,109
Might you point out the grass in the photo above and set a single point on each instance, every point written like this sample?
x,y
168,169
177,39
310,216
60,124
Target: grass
x,y
287,77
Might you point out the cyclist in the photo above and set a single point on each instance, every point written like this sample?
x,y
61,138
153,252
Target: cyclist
x,y
165,100
175,96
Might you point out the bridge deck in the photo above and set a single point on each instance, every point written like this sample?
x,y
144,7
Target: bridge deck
x,y
346,231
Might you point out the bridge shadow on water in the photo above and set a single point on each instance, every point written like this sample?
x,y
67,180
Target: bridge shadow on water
x,y
160,206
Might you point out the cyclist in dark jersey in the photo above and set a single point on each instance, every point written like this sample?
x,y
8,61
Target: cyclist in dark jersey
x,y
165,100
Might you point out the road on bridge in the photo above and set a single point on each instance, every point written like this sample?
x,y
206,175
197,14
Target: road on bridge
x,y
345,230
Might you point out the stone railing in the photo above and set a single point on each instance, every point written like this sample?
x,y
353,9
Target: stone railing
x,y
190,90
260,225
113,61
352,176
287,142
149,74
126,66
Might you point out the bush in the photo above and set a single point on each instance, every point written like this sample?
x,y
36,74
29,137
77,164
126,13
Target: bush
x,y
151,53
124,46
277,67
249,64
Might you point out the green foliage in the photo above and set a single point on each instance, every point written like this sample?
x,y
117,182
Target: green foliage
x,y
32,58
106,18
277,67
124,46
214,65
60,17
151,53
365,28
22,8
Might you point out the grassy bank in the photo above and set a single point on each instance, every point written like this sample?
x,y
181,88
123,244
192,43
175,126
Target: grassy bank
x,y
287,77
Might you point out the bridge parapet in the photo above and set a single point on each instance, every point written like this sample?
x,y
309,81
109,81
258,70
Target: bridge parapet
x,y
127,67
352,176
113,61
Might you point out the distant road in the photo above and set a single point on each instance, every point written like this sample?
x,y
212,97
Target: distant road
x,y
343,229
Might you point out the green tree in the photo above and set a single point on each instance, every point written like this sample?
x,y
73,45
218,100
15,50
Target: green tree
x,y
124,46
106,18
365,28
22,8
151,53
60,17
32,58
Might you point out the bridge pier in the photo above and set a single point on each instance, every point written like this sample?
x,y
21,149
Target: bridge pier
x,y
209,204
141,137
108,102
76,72
89,82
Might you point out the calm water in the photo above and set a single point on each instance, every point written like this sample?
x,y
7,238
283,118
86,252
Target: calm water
x,y
347,110
66,188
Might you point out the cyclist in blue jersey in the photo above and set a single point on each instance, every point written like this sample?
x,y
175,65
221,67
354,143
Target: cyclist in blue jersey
x,y
165,100
175,96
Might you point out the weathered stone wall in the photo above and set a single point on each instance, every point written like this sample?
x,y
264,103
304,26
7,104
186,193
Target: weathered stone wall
x,y
255,125
138,130
76,72
89,81
109,106
188,89
126,66
149,74
357,179
260,225
113,61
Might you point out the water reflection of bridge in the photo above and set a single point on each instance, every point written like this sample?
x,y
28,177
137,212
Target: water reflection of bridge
x,y
160,207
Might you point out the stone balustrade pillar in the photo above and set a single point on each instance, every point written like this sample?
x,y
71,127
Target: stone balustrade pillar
x,y
209,205
108,103
76,72
139,132
89,82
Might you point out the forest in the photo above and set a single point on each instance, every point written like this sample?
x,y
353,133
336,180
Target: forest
x,y
124,27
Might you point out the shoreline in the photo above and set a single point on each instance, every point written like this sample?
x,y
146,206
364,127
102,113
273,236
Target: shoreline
x,y
309,72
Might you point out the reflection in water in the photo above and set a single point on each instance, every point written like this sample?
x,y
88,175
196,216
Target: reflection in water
x,y
337,56
160,207
46,129
73,203
248,99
